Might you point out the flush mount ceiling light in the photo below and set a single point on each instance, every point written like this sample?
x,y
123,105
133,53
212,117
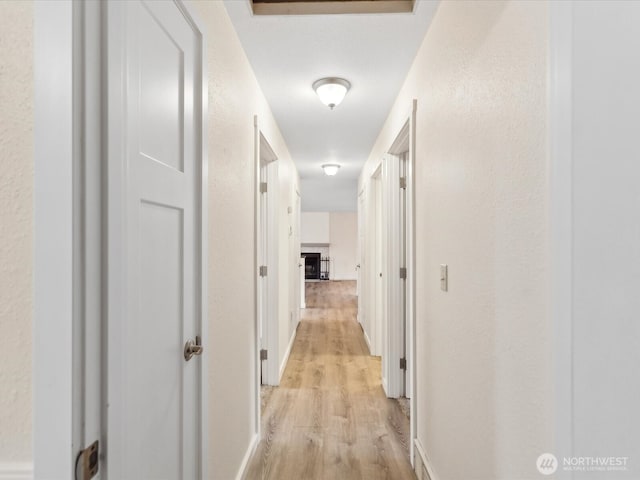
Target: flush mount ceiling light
x,y
330,168
331,90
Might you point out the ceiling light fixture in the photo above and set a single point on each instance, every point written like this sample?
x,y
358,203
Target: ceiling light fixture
x,y
330,168
331,90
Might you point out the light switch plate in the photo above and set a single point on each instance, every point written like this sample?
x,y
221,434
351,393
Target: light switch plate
x,y
444,277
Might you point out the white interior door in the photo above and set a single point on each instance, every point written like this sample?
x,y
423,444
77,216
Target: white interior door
x,y
155,242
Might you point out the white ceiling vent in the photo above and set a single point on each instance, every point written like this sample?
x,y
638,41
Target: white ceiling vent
x,y
327,7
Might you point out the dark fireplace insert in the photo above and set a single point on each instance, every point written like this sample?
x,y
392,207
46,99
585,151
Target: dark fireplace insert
x,y
311,266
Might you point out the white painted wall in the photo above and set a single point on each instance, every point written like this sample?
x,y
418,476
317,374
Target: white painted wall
x,y
606,231
316,227
234,98
483,356
16,235
344,243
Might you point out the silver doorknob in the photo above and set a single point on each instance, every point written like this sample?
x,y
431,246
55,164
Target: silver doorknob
x,y
192,348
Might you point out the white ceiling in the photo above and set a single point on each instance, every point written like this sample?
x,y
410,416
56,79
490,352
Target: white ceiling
x,y
288,53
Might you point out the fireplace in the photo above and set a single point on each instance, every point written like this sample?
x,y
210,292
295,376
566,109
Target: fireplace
x,y
311,266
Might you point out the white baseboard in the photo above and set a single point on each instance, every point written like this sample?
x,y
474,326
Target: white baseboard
x,y
16,471
247,456
424,461
367,341
285,359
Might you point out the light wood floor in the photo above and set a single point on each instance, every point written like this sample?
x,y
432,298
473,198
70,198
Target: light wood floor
x,y
330,419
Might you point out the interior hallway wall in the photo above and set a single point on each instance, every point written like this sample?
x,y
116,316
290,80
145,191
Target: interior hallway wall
x,y
234,98
484,372
344,244
16,234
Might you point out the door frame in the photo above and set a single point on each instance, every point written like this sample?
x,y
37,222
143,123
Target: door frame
x,y
298,270
405,142
375,309
560,149
264,155
361,290
70,248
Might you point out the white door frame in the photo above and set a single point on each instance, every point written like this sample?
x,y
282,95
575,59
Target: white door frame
x,y
561,220
374,218
265,156
404,143
298,270
57,326
361,290
69,242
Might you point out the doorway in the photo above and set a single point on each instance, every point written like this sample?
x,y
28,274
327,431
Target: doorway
x,y
130,369
361,291
267,257
155,288
401,289
378,287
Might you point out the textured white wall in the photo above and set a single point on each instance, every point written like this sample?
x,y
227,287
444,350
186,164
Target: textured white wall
x,y
344,243
16,237
234,98
484,373
606,232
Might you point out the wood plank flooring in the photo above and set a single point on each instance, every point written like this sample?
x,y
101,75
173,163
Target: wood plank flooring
x,y
330,419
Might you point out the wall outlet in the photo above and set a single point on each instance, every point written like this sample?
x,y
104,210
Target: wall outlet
x,y
444,277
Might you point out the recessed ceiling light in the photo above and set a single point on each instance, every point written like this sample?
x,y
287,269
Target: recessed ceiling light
x,y
330,168
331,90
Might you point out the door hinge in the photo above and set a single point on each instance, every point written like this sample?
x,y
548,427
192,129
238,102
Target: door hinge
x,y
263,187
403,272
88,462
403,182
403,364
263,270
263,354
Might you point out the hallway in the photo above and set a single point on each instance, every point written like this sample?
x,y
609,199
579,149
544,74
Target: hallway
x,y
330,419
169,166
